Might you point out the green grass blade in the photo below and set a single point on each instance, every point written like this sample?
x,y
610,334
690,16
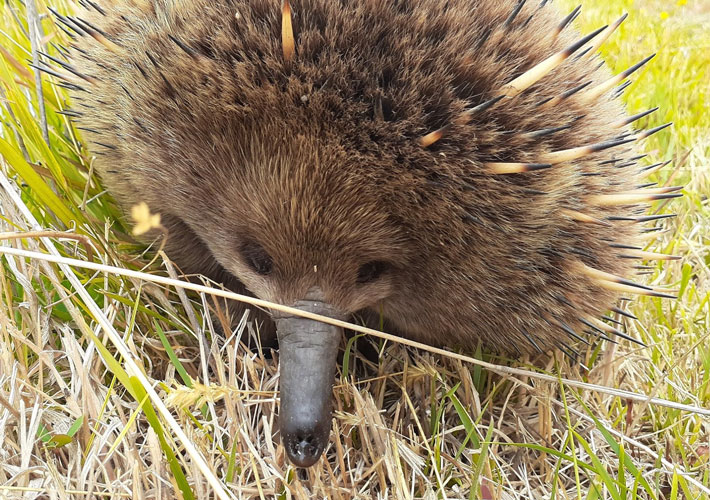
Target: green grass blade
x,y
39,187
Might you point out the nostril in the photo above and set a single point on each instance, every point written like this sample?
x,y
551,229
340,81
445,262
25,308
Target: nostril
x,y
304,448
305,438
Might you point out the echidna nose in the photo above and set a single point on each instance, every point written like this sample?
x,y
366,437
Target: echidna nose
x,y
304,446
308,351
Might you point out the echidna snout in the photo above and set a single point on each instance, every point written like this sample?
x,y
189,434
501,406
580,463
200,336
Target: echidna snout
x,y
308,351
463,170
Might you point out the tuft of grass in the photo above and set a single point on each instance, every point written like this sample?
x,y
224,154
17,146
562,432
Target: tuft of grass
x,y
113,387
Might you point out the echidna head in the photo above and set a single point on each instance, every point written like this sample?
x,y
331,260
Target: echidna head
x,y
300,225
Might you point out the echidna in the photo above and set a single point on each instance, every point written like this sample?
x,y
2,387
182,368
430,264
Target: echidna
x,y
461,168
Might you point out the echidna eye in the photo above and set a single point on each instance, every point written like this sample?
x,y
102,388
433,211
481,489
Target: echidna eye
x,y
371,271
257,258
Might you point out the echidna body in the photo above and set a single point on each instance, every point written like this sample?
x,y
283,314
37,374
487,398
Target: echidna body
x,y
461,168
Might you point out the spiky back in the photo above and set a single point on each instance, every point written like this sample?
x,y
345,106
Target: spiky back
x,y
515,184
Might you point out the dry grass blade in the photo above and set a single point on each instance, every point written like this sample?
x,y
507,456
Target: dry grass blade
x,y
36,35
500,369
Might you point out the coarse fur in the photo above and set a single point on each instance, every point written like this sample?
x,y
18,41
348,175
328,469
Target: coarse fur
x,y
316,162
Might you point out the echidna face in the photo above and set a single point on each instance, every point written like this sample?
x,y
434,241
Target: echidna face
x,y
298,232
350,277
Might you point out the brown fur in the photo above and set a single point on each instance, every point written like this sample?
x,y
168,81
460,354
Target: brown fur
x,y
318,160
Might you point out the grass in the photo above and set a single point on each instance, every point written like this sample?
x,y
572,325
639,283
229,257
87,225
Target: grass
x,y
116,387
